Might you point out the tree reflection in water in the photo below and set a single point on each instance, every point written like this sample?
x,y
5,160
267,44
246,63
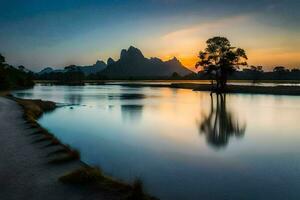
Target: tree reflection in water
x,y
220,124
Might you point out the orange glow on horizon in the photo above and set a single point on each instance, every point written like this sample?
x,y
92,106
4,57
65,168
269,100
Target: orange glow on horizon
x,y
265,48
268,58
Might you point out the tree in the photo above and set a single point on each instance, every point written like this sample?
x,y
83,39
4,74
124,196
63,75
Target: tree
x,y
260,69
280,69
2,59
11,77
253,68
220,59
21,68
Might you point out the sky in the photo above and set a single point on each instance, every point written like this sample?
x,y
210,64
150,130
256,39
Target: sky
x,y
43,33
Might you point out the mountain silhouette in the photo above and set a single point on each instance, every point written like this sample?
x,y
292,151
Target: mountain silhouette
x,y
90,69
132,63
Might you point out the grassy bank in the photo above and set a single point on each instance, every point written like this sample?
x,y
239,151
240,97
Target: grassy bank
x,y
85,175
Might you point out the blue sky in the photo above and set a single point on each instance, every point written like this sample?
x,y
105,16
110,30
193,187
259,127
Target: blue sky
x,y
40,33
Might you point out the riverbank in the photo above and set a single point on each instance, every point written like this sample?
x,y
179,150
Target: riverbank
x,y
244,89
34,160
175,81
235,87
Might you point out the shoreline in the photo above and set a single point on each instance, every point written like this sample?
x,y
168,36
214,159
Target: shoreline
x,y
176,80
206,87
231,89
244,89
85,175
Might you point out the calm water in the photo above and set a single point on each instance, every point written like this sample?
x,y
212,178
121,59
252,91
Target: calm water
x,y
183,144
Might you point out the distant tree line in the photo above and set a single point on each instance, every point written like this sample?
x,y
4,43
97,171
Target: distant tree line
x,y
14,78
221,62
72,76
256,73
253,73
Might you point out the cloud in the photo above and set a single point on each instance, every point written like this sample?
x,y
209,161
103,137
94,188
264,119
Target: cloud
x,y
185,43
265,45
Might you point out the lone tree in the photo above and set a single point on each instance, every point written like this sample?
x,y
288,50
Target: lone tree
x,y
220,59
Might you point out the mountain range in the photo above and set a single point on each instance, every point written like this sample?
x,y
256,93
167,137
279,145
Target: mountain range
x,y
132,63
90,69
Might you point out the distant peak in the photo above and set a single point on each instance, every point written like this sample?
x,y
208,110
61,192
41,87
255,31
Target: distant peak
x,y
132,48
48,68
99,61
155,59
123,53
175,59
110,61
131,52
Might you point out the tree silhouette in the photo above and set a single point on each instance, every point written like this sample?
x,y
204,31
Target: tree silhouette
x,y
220,124
2,59
220,59
11,77
280,69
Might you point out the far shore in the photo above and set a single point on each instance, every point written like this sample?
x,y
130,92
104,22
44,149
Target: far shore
x,y
177,81
204,85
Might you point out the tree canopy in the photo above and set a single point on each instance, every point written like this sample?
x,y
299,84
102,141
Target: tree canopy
x,y
2,59
220,59
12,78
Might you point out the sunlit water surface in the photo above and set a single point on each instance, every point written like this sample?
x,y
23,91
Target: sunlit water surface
x,y
182,144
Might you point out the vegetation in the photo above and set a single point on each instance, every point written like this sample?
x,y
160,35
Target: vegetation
x,y
72,76
252,73
94,175
33,109
137,190
69,155
256,74
247,89
221,59
84,175
13,78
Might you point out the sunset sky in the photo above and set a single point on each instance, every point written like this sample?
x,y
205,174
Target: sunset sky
x,y
40,33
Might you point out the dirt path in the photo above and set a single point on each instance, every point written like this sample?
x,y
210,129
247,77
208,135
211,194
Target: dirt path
x,y
24,169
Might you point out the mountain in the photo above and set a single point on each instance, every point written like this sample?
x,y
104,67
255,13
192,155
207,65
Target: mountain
x,y
46,70
110,61
132,63
91,69
176,64
97,67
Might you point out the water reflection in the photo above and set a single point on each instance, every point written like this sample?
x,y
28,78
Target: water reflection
x,y
126,96
131,113
73,98
220,124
